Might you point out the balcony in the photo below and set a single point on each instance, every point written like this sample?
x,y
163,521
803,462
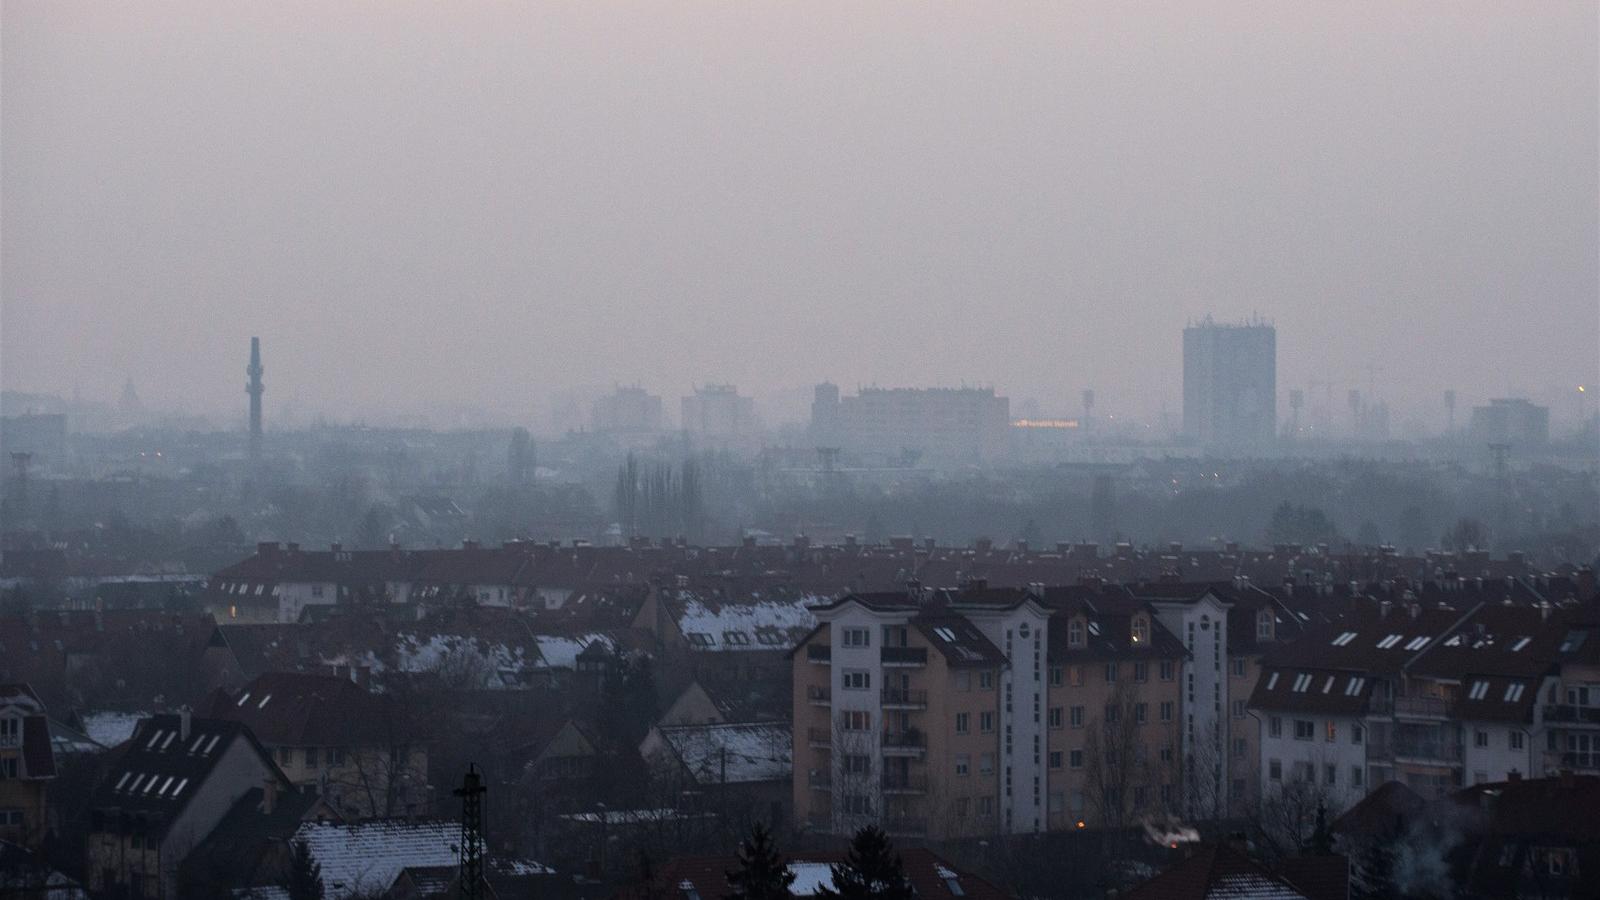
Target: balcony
x,y
902,783
1427,751
904,656
1421,708
904,698
904,743
819,653
1567,714
820,780
819,695
819,738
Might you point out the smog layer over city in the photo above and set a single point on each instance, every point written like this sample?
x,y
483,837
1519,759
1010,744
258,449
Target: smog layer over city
x,y
760,451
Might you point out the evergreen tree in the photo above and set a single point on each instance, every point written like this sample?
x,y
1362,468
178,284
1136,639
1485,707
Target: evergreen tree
x,y
870,871
763,873
305,874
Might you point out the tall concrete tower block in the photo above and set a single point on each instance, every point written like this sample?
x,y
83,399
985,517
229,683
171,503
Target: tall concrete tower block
x,y
254,389
1230,382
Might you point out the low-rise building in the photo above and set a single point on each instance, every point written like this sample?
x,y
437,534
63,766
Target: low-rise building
x,y
27,766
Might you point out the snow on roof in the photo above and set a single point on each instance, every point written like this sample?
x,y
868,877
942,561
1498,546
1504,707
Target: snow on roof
x,y
754,751
496,664
562,652
810,877
366,857
108,728
761,625
1245,886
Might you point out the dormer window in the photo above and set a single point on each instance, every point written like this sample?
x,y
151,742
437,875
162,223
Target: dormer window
x,y
1075,633
1264,625
10,731
1141,630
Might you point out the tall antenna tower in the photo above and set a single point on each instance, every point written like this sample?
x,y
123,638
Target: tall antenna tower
x,y
469,852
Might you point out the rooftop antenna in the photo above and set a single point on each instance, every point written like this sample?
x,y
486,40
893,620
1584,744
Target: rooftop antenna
x,y
469,852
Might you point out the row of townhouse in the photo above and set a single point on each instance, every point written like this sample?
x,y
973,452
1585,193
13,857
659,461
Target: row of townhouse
x,y
1437,698
955,713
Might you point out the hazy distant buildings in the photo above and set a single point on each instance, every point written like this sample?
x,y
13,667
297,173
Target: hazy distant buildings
x,y
1511,421
943,424
627,409
44,436
1230,382
717,413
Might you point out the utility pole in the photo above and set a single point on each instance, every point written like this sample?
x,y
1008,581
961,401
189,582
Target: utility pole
x,y
469,853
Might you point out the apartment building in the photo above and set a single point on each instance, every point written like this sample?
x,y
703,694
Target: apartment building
x,y
1114,717
1435,697
923,712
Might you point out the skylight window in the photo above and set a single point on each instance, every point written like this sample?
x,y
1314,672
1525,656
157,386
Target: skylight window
x,y
154,738
195,747
1454,641
263,702
151,784
945,634
1417,643
212,745
1479,690
1301,682
166,784
1272,681
1094,628
1521,642
1389,641
243,698
134,788
123,780
1344,638
179,788
1354,687
1327,685
1513,693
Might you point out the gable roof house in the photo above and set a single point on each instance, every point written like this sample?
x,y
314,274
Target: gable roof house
x,y
27,765
354,747
165,790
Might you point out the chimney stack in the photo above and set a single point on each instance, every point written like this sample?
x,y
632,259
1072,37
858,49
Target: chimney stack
x,y
184,722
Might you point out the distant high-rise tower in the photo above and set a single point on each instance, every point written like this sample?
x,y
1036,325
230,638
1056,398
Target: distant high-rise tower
x,y
1230,382
254,389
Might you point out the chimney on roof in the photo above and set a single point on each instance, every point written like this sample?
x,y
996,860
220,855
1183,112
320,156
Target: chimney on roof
x,y
1544,610
269,795
1383,609
184,722
930,544
849,540
1022,546
1415,609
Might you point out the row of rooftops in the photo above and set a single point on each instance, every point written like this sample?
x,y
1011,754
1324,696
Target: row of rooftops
x,y
1493,656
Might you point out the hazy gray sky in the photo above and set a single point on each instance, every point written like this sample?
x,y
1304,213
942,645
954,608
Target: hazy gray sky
x,y
422,204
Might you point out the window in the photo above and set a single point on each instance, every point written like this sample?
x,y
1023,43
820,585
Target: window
x,y
857,680
1516,740
1056,676
1166,710
986,722
335,757
1238,709
895,635
1077,676
1141,713
961,807
1166,669
1480,739
1480,689
857,764
10,731
1331,730
1274,727
857,804
1055,717
963,723
986,764
1304,730
311,757
1111,673
1058,802
1055,759
285,756
1113,713
1075,716
1166,754
1357,775
316,590
1240,745
963,763
986,806
1238,668
855,720
1301,683
1141,672
1264,625
986,680
858,637
1141,630
1075,633
1275,770
1331,774
8,769
1075,759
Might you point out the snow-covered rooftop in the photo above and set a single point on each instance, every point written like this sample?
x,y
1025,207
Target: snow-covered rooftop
x,y
759,625
366,857
562,652
108,728
752,751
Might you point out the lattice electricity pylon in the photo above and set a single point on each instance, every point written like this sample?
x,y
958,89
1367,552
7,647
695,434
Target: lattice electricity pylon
x,y
470,850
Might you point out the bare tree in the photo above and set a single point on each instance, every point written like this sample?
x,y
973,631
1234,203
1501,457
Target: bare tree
x,y
1119,773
